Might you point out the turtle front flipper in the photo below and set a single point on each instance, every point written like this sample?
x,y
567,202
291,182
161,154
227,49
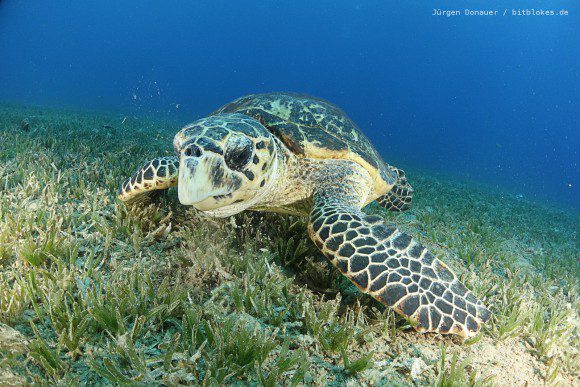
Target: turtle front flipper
x,y
399,198
158,174
391,266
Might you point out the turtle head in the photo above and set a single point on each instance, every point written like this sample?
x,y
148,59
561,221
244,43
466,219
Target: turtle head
x,y
227,163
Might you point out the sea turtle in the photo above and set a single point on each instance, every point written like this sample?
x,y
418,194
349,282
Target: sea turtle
x,y
296,154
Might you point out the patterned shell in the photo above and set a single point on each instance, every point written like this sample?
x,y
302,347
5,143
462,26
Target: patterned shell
x,y
314,128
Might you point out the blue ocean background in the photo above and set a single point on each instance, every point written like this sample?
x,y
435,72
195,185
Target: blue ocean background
x,y
493,100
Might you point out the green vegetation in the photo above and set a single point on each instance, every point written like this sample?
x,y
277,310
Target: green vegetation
x,y
93,292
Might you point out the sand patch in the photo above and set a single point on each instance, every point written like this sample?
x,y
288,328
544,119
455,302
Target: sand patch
x,y
11,340
508,362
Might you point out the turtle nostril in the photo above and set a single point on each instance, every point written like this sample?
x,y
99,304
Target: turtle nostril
x,y
192,151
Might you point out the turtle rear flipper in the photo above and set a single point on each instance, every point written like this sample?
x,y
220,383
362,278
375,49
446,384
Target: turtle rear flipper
x,y
158,174
399,198
391,266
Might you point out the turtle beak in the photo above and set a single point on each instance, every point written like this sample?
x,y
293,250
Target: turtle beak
x,y
200,178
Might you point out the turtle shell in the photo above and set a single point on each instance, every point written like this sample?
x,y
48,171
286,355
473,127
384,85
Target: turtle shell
x,y
314,128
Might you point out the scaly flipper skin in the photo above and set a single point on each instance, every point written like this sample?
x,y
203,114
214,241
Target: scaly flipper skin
x,y
157,174
391,266
399,198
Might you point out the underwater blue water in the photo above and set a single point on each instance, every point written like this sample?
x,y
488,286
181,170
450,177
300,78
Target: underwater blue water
x,y
491,98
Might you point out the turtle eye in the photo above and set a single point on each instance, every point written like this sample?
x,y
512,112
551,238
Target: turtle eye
x,y
239,152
